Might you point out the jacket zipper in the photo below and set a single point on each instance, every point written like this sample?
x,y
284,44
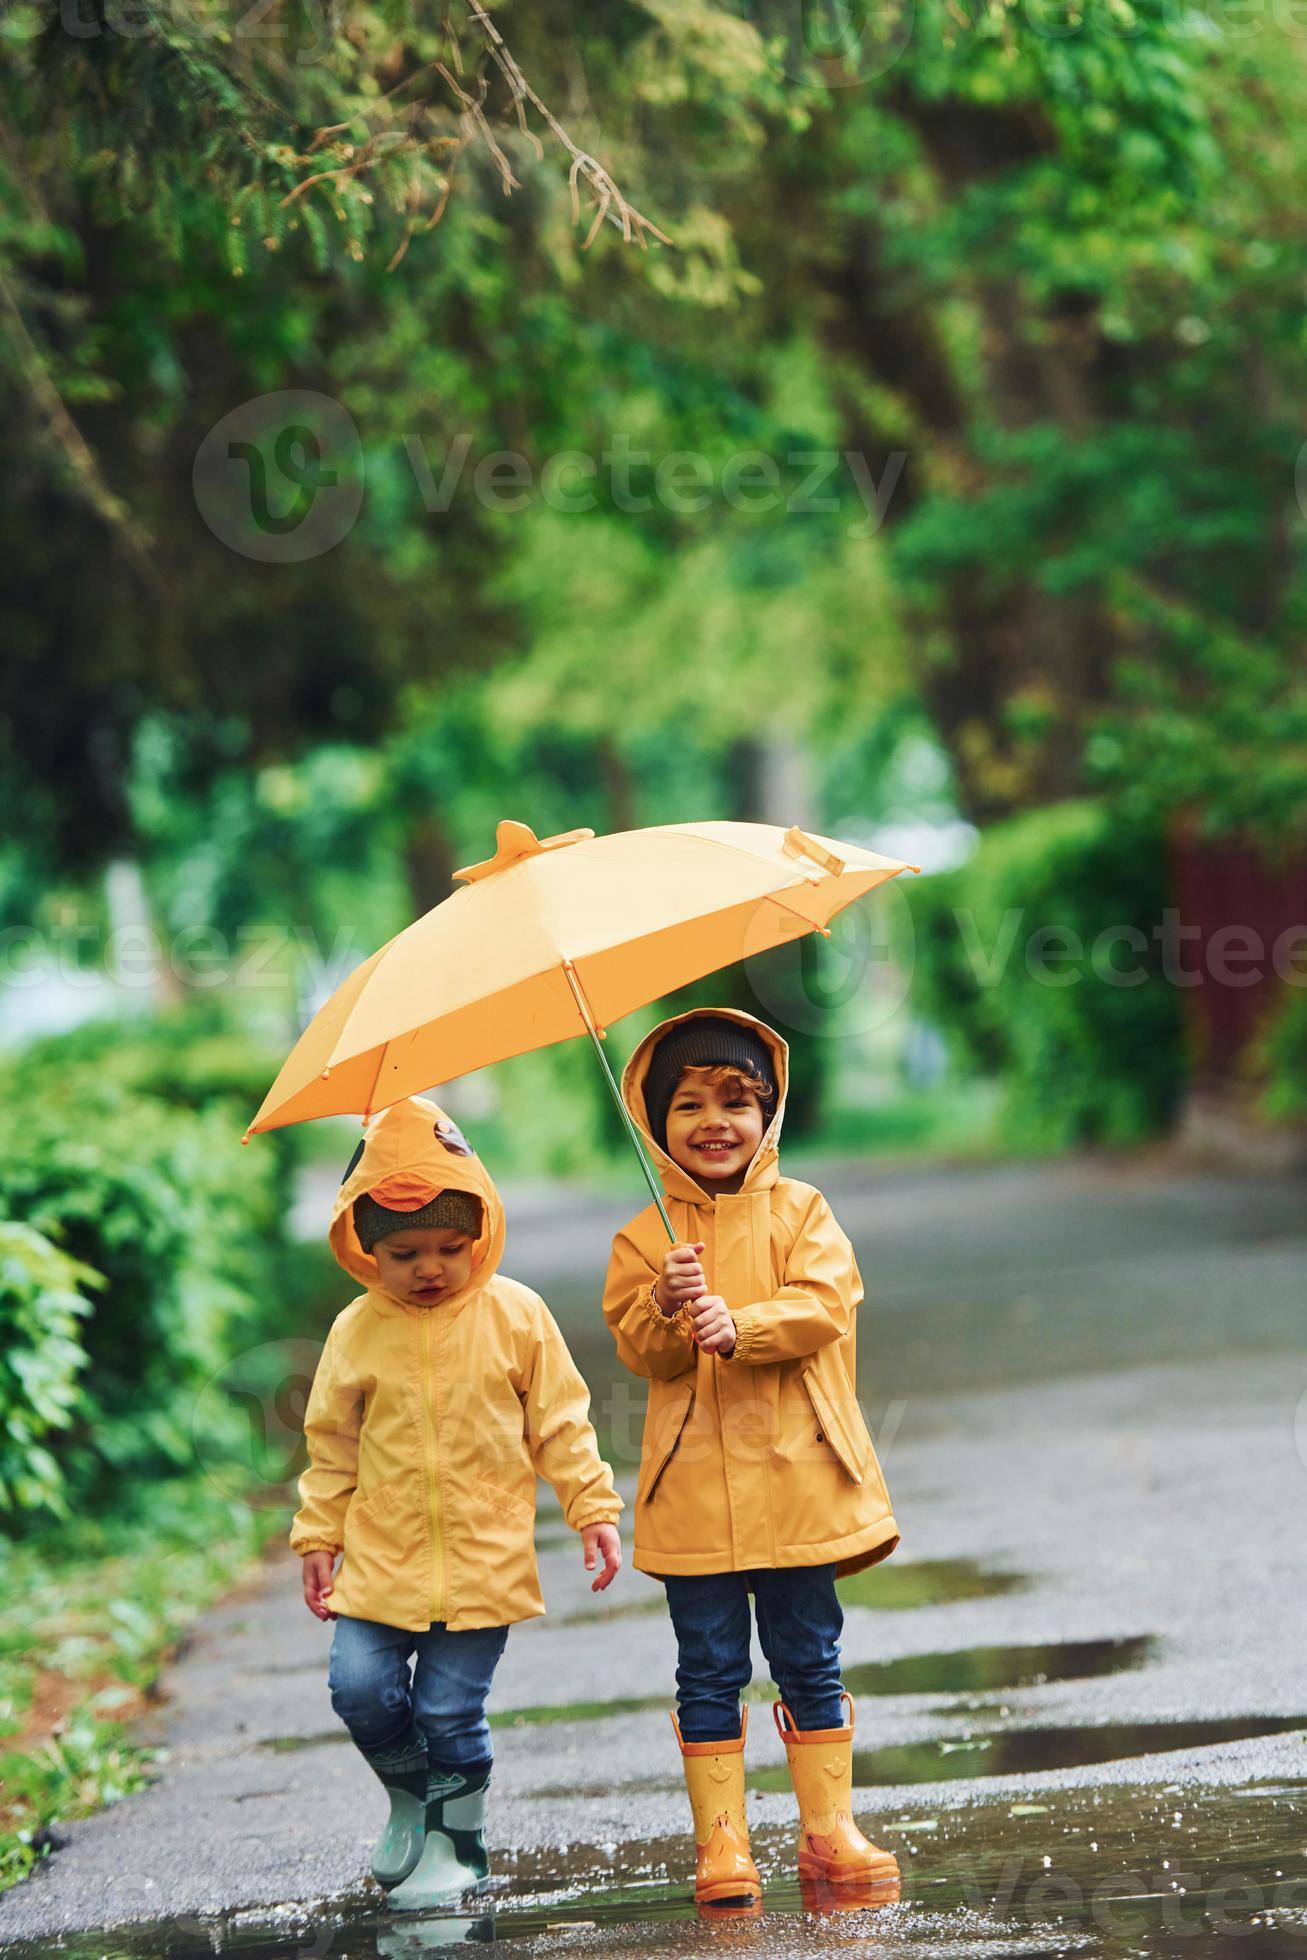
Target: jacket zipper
x,y
433,1499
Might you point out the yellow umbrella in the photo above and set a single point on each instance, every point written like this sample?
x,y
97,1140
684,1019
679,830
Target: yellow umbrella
x,y
554,937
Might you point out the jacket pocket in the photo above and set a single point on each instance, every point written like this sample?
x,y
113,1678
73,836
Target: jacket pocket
x,y
672,1427
379,1498
512,1503
849,1446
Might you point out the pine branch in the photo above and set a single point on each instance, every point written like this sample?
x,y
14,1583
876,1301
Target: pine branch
x,y
385,146
64,434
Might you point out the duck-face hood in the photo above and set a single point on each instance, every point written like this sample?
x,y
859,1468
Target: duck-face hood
x,y
410,1152
763,1167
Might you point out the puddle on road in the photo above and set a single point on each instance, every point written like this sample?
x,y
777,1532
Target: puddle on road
x,y
970,1670
974,1670
898,1585
1124,1872
1008,1752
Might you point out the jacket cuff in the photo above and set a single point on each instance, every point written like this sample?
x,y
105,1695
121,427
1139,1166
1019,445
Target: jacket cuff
x,y
604,1508
682,1320
748,1334
608,1515
304,1546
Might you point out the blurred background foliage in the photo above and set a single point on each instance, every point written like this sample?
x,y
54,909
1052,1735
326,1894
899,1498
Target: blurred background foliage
x,y
1015,286
983,274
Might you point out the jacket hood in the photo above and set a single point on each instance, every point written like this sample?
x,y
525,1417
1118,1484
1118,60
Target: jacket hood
x,y
410,1152
763,1167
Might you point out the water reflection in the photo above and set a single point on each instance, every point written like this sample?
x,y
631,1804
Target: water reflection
x,y
1122,1871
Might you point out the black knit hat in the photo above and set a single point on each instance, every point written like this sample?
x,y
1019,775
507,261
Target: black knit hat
x,y
457,1211
708,1041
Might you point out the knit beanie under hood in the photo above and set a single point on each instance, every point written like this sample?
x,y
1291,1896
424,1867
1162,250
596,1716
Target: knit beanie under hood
x,y
708,1041
457,1211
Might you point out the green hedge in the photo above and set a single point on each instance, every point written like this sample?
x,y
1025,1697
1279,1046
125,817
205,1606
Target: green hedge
x,y
123,1151
42,1306
1091,1061
1279,1058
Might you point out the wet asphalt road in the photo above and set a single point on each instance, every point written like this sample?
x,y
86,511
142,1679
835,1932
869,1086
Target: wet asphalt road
x,y
1088,1379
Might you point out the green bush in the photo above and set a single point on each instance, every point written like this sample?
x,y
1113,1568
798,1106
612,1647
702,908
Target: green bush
x,y
1280,1056
1089,1061
127,1155
41,1357
188,1059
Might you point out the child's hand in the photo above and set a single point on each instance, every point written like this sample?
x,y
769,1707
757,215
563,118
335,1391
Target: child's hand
x,y
681,1278
602,1542
318,1568
714,1330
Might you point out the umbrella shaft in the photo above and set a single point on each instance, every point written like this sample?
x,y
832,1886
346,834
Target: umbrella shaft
x,y
637,1142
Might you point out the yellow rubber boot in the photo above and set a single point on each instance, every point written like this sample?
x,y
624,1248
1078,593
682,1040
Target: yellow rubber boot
x,y
714,1778
832,1850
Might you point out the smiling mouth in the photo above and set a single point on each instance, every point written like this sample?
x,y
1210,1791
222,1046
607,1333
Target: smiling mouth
x,y
717,1149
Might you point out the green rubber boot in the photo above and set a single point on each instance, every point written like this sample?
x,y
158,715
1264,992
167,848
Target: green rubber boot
x,y
402,1768
453,1857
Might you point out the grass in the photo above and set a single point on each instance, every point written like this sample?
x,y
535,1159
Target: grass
x,y
93,1609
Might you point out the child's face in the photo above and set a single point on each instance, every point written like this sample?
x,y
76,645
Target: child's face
x,y
426,1265
714,1125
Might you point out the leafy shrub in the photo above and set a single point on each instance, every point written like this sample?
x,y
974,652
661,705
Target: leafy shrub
x,y
1083,1057
1280,1055
41,1358
127,1155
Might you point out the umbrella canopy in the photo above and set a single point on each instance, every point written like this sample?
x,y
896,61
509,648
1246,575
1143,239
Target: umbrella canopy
x,y
553,937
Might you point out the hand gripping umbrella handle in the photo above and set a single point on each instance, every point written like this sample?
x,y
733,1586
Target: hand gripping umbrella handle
x,y
637,1141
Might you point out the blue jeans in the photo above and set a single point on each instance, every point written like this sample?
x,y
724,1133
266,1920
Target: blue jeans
x,y
799,1623
372,1693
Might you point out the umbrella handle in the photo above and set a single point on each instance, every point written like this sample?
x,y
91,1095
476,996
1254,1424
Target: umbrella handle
x,y
637,1141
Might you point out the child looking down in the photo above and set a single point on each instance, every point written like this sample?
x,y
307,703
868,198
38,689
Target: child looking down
x,y
442,1392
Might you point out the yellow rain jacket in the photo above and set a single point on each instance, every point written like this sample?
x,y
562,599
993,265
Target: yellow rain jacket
x,y
427,1426
762,1459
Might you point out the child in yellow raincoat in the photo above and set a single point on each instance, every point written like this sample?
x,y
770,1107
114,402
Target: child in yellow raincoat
x,y
441,1393
757,1472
